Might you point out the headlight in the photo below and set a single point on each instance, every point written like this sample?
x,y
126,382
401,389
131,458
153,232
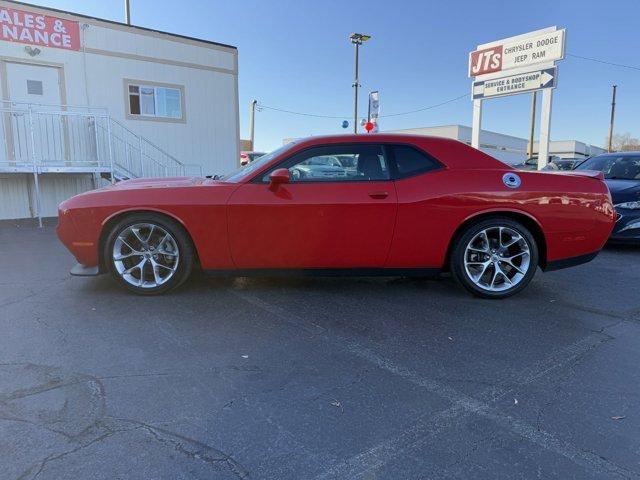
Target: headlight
x,y
630,205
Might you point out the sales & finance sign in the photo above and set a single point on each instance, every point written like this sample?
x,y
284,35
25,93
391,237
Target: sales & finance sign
x,y
35,29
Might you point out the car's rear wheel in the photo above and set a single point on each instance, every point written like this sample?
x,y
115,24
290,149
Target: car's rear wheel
x,y
494,258
149,254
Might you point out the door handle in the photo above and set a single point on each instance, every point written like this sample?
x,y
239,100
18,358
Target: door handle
x,y
379,195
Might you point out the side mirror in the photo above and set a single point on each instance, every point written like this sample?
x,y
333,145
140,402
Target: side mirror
x,y
278,177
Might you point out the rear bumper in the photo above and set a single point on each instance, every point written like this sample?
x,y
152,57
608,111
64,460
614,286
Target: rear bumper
x,y
570,262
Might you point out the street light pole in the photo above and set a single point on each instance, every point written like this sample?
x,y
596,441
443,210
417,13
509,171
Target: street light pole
x,y
127,12
613,114
357,39
355,92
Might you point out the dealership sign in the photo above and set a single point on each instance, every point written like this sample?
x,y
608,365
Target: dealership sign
x,y
35,29
511,66
518,52
512,84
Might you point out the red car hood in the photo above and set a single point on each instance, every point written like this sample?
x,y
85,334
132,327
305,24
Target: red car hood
x,y
156,183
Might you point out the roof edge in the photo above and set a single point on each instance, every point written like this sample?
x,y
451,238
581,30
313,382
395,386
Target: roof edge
x,y
122,24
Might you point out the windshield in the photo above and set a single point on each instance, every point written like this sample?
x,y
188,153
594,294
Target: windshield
x,y
243,172
622,167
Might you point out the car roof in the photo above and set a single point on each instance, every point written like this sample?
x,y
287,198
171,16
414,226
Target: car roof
x,y
453,153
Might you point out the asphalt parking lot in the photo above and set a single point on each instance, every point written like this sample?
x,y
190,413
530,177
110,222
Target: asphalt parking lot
x,y
316,378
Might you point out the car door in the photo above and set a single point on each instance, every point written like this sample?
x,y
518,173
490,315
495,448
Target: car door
x,y
337,211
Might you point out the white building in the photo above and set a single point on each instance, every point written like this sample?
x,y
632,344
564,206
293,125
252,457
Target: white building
x,y
507,148
84,98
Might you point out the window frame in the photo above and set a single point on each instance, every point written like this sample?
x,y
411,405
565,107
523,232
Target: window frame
x,y
389,157
128,82
288,162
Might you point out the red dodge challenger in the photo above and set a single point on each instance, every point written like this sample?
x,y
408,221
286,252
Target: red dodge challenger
x,y
345,205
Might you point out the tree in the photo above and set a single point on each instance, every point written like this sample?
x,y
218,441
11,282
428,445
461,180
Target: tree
x,y
624,142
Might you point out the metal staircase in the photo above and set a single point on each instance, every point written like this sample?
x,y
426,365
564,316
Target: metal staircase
x,y
64,139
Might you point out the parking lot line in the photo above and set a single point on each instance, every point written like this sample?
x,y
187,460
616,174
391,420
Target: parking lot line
x,y
463,405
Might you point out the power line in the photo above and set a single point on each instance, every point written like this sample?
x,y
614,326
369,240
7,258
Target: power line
x,y
632,67
315,115
346,116
427,108
300,113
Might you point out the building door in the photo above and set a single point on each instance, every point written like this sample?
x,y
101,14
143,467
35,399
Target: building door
x,y
38,85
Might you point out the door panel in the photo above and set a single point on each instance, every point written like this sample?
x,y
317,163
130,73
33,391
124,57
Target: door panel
x,y
312,225
39,85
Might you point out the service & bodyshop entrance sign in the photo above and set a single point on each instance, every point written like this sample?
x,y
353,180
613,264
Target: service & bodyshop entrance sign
x,y
512,84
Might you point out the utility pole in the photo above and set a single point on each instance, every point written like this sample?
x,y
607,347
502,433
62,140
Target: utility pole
x,y
252,122
534,96
127,12
357,39
613,114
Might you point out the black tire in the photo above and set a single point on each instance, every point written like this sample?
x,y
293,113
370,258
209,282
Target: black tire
x,y
185,258
461,274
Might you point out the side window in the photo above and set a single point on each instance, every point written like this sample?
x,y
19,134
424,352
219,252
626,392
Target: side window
x,y
155,101
338,163
410,161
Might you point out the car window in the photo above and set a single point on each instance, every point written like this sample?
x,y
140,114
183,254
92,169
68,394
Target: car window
x,y
248,169
410,161
623,167
337,163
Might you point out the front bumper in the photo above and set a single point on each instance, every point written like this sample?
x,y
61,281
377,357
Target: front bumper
x,y
80,270
627,229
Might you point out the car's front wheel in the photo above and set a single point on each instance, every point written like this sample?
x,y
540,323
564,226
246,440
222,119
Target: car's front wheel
x,y
494,258
148,253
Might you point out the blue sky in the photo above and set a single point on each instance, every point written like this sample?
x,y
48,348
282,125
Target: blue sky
x,y
295,55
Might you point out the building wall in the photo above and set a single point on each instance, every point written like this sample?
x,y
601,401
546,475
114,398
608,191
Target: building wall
x,y
507,148
17,192
95,76
110,53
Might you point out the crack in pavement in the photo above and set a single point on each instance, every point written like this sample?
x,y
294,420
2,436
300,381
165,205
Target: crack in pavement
x,y
202,452
51,458
88,394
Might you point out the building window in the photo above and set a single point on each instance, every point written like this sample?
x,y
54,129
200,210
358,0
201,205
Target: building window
x,y
155,101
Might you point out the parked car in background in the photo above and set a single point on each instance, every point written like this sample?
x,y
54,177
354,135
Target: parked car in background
x,y
248,157
416,206
320,167
622,175
532,163
563,164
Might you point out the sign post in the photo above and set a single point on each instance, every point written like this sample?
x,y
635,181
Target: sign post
x,y
520,64
374,109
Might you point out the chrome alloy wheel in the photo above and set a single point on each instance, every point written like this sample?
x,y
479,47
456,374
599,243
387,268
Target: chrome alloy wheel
x,y
145,255
497,258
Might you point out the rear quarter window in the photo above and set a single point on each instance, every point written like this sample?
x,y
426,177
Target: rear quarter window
x,y
410,161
